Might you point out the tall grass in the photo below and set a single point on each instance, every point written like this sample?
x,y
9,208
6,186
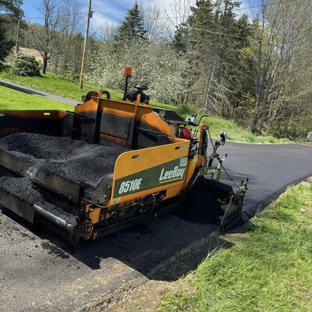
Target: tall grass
x,y
237,133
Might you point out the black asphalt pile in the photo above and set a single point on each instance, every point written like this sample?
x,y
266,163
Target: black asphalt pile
x,y
74,160
36,145
19,162
20,188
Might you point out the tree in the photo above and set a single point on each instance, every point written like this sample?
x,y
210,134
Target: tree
x,y
15,28
12,7
6,45
155,23
224,70
13,12
106,32
181,40
244,79
284,65
132,28
209,40
66,57
180,11
155,64
202,58
44,37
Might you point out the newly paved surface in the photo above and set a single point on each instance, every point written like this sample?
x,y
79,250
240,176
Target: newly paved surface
x,y
269,167
40,271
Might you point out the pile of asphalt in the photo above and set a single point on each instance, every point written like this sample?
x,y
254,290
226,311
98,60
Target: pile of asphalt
x,y
74,160
20,188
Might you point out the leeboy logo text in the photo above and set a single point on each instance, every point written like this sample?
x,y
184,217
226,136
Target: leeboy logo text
x,y
176,173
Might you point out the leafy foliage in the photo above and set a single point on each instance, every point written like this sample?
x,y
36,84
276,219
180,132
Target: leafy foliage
x,y
213,41
155,65
6,44
25,65
13,11
12,7
132,27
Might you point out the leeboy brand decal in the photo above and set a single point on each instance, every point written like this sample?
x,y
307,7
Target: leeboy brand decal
x,y
165,173
172,174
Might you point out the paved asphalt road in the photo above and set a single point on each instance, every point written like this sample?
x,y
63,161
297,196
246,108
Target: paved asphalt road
x,y
269,167
40,271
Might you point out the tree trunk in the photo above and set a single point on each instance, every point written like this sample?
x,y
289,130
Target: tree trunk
x,y
45,63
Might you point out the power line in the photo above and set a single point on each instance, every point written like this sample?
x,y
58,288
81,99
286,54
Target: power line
x,y
42,17
214,32
124,15
180,17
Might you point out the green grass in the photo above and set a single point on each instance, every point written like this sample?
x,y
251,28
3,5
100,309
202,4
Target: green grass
x,y
64,87
12,99
52,84
267,269
238,134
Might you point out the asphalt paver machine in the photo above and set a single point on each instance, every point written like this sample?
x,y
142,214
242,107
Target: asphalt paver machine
x,y
110,164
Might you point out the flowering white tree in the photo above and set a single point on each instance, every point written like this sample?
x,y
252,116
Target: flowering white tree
x,y
155,64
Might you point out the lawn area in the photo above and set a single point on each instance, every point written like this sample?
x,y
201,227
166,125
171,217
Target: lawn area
x,y
52,84
12,99
267,268
63,87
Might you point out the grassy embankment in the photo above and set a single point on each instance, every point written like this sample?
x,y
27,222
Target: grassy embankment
x,y
11,99
266,269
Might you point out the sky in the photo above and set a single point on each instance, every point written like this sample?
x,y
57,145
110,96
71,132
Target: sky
x,y
111,12
105,11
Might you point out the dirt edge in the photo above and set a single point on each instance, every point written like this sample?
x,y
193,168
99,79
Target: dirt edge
x,y
140,294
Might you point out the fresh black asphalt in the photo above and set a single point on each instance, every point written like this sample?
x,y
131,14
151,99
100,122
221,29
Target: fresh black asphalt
x,y
269,167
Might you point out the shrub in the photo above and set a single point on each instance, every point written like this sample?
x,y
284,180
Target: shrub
x,y
24,65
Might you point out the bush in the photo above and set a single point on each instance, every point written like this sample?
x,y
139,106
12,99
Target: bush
x,y
24,65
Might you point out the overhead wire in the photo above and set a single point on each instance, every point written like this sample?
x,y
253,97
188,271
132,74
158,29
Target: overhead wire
x,y
183,17
124,14
174,17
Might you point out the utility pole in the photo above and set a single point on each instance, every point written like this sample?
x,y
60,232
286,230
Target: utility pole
x,y
18,34
89,15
